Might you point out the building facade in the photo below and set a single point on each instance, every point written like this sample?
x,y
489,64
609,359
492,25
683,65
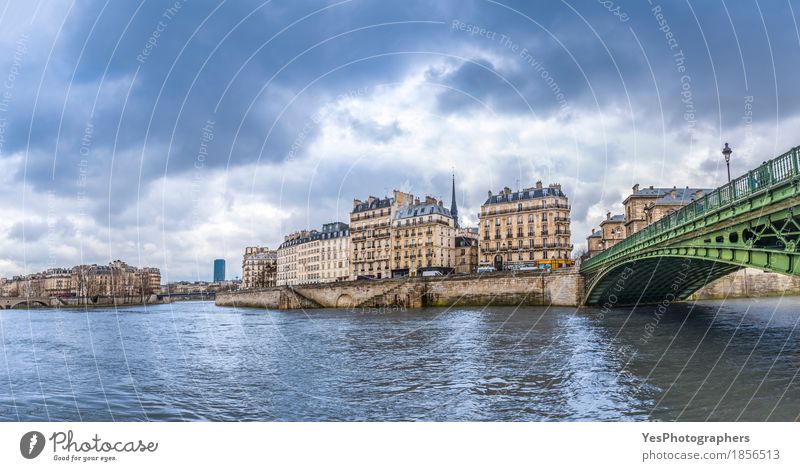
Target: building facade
x,y
612,229
594,243
645,206
116,279
526,227
466,250
259,268
57,282
423,237
333,257
287,271
370,234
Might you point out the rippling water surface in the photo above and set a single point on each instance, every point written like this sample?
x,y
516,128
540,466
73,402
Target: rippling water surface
x,y
732,360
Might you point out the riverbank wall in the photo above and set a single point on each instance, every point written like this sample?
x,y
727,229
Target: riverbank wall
x,y
562,287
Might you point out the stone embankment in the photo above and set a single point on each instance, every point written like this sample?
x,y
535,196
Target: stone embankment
x,y
749,283
562,287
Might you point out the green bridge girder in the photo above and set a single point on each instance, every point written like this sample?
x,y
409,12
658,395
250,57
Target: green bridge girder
x,y
753,221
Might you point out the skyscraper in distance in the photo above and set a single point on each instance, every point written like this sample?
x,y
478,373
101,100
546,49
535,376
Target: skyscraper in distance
x,y
219,269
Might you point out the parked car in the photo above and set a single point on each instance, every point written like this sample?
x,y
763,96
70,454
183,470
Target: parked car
x,y
432,273
485,270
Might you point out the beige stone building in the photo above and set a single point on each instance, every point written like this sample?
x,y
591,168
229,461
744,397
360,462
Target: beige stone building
x,y
526,227
594,243
115,279
333,259
323,256
259,267
314,256
150,281
466,250
370,234
23,286
647,205
57,282
643,207
423,237
612,229
288,251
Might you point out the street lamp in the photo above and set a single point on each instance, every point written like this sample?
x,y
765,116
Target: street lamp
x,y
727,153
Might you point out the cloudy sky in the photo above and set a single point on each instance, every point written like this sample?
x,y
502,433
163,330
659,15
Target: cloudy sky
x,y
171,133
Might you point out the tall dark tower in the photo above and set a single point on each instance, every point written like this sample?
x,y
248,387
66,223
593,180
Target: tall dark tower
x,y
453,206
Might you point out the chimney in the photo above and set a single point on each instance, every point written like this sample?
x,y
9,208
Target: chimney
x,y
490,193
608,215
430,200
698,194
356,202
506,190
538,184
636,188
674,193
416,201
402,199
441,204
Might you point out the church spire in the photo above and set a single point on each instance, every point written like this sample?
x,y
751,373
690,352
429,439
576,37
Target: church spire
x,y
453,206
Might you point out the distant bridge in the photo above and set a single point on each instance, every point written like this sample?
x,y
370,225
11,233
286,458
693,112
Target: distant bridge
x,y
11,303
752,221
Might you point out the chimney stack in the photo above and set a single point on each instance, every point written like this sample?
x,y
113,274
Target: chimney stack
x,y
538,184
636,188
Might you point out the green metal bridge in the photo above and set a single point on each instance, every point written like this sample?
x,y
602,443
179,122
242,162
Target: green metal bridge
x,y
752,221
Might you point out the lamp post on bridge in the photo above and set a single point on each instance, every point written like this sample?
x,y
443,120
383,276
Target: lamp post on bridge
x,y
727,153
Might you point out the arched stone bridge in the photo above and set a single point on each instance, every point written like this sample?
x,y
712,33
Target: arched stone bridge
x,y
753,221
11,303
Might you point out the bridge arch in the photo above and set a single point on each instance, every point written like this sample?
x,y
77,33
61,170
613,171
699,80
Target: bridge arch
x,y
653,279
29,303
345,301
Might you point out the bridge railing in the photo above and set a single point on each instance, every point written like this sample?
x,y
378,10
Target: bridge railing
x,y
767,175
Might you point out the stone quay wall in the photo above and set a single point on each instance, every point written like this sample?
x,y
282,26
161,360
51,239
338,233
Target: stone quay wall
x,y
562,287
749,283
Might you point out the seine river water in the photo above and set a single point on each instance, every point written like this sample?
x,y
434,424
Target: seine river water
x,y
731,360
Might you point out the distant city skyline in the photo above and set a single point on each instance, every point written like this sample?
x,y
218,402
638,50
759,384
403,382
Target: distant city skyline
x,y
176,148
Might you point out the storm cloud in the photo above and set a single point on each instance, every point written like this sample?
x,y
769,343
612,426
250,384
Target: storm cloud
x,y
171,133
